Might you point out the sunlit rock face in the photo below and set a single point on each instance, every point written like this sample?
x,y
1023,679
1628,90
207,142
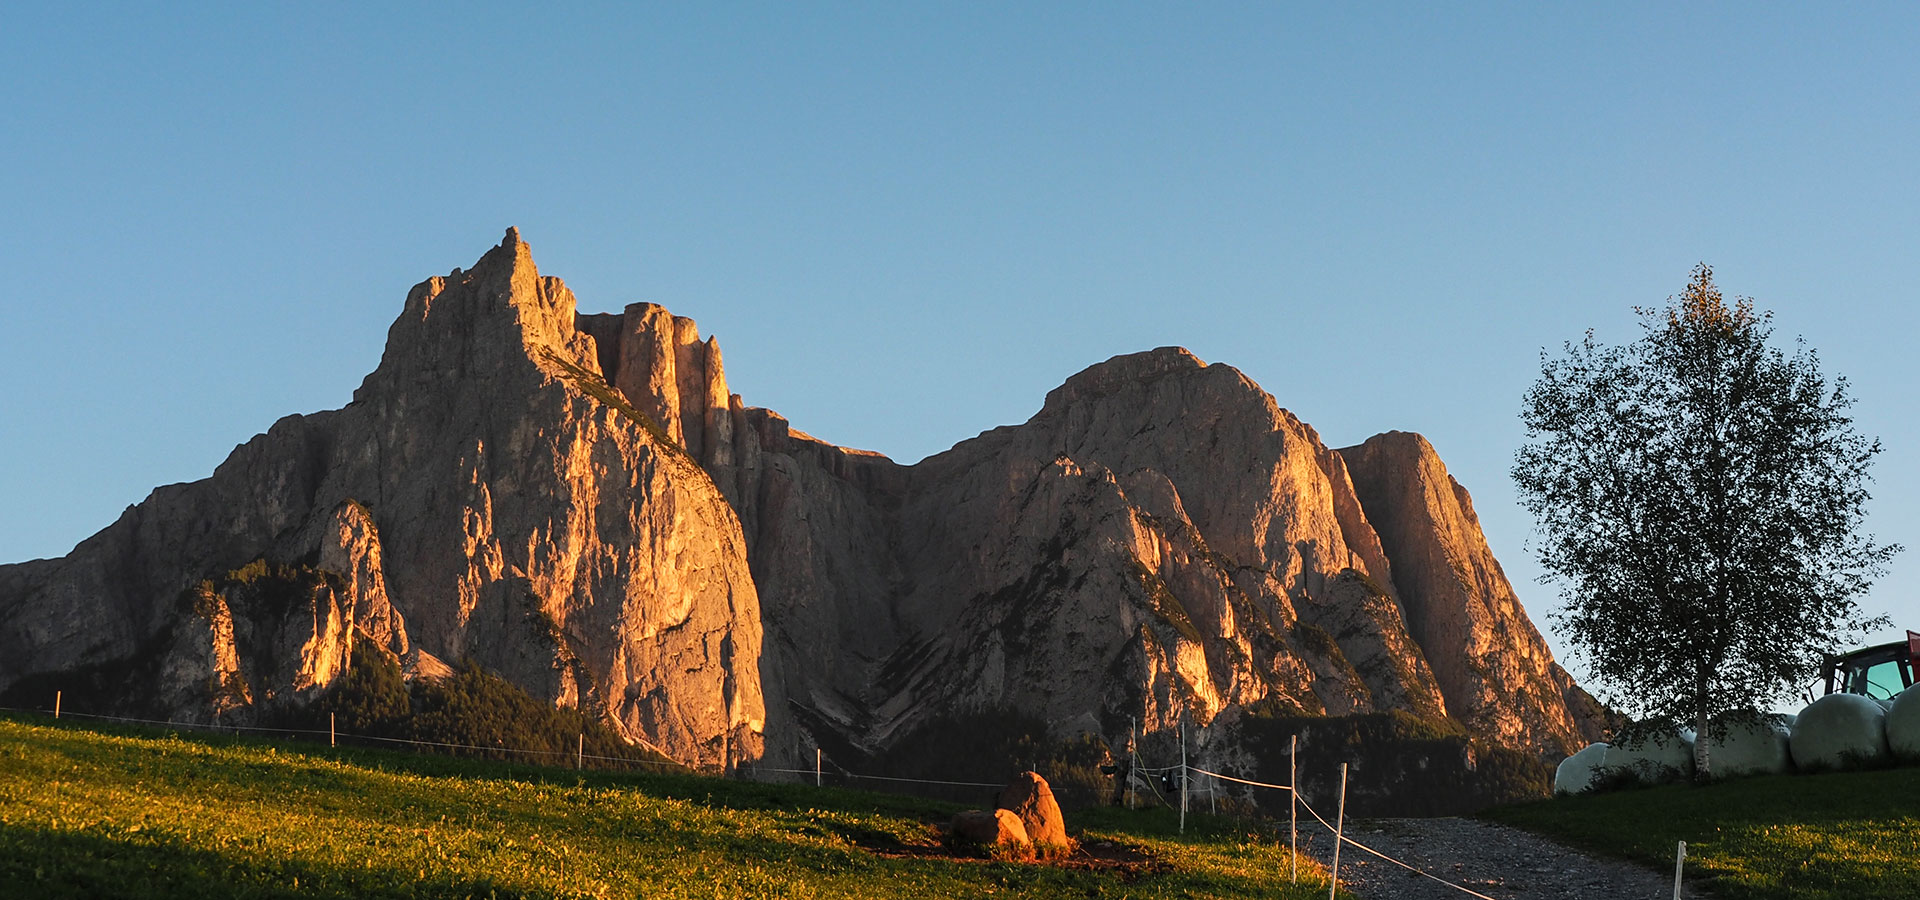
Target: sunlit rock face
x,y
501,511
578,503
1161,540
1494,668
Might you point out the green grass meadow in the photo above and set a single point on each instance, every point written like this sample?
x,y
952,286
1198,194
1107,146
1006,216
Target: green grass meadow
x,y
1835,836
93,811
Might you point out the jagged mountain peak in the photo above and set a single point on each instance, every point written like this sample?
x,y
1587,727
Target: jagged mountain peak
x,y
577,502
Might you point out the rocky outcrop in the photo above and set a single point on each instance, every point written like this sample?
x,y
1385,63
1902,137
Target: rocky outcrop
x,y
1030,797
486,496
997,831
1492,665
1161,541
577,503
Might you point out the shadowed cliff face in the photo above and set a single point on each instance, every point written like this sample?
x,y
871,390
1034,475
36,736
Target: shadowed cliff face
x,y
577,503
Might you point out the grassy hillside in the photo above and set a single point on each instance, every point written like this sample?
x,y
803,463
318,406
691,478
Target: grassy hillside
x,y
136,813
1851,835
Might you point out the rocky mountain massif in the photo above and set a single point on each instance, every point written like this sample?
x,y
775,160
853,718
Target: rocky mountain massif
x,y
577,503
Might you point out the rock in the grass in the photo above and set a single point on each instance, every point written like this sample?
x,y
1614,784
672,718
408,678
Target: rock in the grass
x,y
1030,798
1903,726
1576,772
1840,731
1655,757
990,828
1752,744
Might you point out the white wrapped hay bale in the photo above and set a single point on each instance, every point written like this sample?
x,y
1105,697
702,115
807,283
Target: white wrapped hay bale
x,y
1839,731
1576,772
1752,744
1659,757
1903,726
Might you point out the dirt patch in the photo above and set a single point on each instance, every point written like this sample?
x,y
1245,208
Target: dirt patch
x,y
1126,861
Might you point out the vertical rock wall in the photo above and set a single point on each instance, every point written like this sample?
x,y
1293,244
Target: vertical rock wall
x,y
577,502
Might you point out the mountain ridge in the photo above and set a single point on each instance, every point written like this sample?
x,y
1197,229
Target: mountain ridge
x,y
577,501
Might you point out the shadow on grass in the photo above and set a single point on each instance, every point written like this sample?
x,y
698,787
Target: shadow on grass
x,y
704,790
45,863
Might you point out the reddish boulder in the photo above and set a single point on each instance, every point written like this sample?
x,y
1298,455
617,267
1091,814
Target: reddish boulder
x,y
1029,797
991,829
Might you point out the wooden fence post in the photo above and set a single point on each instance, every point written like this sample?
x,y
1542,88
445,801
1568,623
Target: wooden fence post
x,y
1183,775
1339,834
1679,864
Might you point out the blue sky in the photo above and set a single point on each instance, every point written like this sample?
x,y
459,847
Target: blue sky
x,y
907,222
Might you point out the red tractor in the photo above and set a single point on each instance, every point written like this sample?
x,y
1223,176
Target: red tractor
x,y
1880,671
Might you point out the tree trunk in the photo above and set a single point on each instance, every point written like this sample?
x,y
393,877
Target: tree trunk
x,y
1702,766
1702,770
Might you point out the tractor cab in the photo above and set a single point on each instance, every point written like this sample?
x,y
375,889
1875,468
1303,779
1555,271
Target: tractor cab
x,y
1880,671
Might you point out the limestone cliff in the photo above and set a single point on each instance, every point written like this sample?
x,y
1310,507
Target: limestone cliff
x,y
578,503
1493,666
485,496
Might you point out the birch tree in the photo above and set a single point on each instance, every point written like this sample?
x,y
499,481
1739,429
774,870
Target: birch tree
x,y
1699,496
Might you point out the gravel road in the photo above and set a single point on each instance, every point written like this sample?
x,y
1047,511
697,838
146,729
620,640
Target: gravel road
x,y
1494,860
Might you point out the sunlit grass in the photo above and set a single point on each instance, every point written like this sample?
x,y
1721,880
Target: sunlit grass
x,y
1851,835
135,813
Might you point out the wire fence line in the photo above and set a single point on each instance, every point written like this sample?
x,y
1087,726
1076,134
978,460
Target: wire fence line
x,y
1341,834
580,755
319,733
1199,771
563,755
843,773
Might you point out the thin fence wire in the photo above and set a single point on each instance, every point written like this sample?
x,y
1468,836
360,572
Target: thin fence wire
x,y
1344,839
1199,771
840,773
445,745
562,755
843,773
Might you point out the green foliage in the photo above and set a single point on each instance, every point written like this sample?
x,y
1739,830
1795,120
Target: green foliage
x,y
595,386
371,698
1700,496
992,746
123,686
137,813
473,708
1842,836
1401,764
1166,604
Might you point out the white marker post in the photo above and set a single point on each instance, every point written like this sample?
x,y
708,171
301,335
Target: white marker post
x,y
1679,864
1339,833
56,704
333,739
816,767
1293,809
